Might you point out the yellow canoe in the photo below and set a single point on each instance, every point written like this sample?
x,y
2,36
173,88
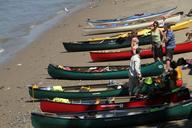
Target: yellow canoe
x,y
176,27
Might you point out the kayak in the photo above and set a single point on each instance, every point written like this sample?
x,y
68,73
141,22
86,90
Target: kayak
x,y
101,72
60,107
127,27
114,118
143,16
146,53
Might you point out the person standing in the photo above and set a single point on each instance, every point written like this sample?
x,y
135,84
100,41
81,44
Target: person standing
x,y
134,42
157,37
175,76
134,71
169,44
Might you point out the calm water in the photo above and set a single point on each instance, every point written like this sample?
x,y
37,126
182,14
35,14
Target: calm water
x,y
21,21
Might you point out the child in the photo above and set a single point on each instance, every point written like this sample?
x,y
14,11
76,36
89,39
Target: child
x,y
134,42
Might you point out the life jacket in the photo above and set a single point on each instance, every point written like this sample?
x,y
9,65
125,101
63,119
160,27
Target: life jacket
x,y
179,81
179,73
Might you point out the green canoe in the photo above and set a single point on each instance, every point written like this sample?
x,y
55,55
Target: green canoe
x,y
77,93
99,73
104,44
114,118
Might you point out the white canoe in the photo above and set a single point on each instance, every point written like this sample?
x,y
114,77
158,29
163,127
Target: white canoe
x,y
131,18
91,31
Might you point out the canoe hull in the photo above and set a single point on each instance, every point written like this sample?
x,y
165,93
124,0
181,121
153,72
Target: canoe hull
x,y
55,107
124,55
104,44
178,26
131,18
50,94
92,31
153,69
178,111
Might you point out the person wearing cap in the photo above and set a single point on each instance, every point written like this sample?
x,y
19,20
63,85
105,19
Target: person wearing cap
x,y
134,71
157,37
147,86
175,76
169,44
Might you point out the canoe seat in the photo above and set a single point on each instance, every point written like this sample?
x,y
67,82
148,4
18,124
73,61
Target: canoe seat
x,y
62,100
85,89
57,88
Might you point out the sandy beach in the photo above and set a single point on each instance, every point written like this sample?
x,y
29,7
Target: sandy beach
x,y
29,65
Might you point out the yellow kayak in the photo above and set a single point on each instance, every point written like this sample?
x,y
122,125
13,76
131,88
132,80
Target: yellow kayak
x,y
176,27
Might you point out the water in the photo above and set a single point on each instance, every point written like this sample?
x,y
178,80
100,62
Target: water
x,y
21,21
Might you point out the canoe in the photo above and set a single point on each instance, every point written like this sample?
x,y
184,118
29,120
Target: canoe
x,y
63,92
59,107
104,44
178,26
114,118
146,53
93,91
124,27
115,42
130,22
101,72
143,16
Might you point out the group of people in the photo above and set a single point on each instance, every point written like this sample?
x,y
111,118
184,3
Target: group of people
x,y
159,37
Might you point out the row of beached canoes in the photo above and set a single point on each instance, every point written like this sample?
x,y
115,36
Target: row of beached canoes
x,y
117,41
91,106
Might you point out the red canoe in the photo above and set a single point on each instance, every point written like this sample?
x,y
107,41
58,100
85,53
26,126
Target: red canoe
x,y
124,55
58,107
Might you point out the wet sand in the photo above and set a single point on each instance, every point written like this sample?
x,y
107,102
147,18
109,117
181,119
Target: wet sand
x,y
30,64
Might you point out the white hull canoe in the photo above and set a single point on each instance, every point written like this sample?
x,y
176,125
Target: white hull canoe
x,y
91,31
131,18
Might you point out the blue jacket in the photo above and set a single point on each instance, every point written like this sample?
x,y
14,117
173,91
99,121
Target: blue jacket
x,y
170,44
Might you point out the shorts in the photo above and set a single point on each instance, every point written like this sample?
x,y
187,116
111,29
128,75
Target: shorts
x,y
157,51
169,54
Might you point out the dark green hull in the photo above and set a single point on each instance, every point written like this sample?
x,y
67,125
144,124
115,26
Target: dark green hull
x,y
155,115
153,69
49,94
104,44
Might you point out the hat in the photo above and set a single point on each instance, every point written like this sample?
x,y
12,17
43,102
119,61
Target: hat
x,y
148,80
181,61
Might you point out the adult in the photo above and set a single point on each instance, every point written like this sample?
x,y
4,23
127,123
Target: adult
x,y
169,44
134,71
134,42
175,76
157,37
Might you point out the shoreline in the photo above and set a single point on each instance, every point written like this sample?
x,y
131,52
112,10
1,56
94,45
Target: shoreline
x,y
29,65
33,32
